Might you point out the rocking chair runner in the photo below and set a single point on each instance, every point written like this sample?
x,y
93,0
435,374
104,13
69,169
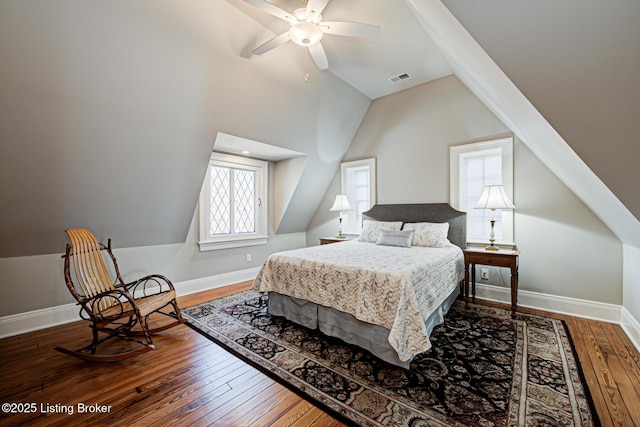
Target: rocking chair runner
x,y
113,307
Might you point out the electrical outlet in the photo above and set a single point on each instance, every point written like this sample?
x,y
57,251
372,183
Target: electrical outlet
x,y
248,257
484,273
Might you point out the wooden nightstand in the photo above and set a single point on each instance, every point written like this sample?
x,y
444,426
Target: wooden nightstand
x,y
327,240
501,258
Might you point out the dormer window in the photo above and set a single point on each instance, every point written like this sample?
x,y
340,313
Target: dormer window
x,y
233,203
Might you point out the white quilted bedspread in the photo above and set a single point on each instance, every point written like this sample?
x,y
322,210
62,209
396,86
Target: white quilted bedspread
x,y
397,288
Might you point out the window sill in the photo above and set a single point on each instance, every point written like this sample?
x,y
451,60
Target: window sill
x,y
501,245
232,243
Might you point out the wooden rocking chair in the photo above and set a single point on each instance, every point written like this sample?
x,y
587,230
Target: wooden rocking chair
x,y
113,307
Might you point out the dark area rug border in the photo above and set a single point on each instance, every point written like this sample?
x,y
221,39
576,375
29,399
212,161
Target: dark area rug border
x,y
335,414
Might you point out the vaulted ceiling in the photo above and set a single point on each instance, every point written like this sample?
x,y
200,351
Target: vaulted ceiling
x,y
366,64
577,61
108,110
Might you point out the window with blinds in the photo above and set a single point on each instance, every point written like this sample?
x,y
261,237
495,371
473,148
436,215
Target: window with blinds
x,y
472,167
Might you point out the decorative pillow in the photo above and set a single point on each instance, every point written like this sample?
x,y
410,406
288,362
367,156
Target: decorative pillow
x,y
371,229
429,234
395,238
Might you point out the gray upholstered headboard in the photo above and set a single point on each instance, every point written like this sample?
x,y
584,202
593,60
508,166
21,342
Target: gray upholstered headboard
x,y
424,212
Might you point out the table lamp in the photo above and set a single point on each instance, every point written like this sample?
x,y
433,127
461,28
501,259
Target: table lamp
x,y
494,197
341,204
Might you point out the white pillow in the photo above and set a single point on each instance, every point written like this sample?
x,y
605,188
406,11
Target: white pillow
x,y
429,234
371,229
395,238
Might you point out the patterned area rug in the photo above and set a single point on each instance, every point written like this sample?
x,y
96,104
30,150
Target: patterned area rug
x,y
484,368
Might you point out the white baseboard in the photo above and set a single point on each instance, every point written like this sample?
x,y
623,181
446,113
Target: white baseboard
x,y
571,306
189,287
39,319
553,303
21,323
631,327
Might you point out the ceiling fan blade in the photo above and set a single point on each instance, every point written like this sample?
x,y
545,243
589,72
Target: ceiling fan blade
x,y
272,10
318,55
272,44
315,8
351,29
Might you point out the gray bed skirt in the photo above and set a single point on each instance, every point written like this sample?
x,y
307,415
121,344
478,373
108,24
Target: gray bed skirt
x,y
342,325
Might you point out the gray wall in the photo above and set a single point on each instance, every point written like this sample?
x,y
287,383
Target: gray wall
x,y
109,111
37,282
577,62
565,249
108,114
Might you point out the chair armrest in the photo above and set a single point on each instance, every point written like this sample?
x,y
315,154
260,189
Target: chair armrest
x,y
149,285
107,305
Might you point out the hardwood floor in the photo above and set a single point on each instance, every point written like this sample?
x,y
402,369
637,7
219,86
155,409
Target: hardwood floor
x,y
188,380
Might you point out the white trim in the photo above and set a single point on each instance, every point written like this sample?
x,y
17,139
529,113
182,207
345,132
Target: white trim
x,y
206,241
235,242
211,282
351,224
21,323
456,182
600,311
631,327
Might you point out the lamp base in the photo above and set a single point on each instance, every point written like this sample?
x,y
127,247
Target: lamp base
x,y
492,236
340,236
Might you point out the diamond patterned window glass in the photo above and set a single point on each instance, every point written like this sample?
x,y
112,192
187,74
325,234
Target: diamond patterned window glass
x,y
244,206
233,201
233,206
220,213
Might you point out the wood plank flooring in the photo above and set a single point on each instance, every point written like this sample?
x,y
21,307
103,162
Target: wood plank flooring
x,y
188,380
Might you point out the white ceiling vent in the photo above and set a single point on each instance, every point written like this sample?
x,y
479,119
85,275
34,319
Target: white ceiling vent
x,y
399,77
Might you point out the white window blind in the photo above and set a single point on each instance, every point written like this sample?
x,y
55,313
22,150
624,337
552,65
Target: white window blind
x,y
359,185
472,167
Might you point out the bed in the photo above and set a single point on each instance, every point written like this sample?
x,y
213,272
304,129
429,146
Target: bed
x,y
383,291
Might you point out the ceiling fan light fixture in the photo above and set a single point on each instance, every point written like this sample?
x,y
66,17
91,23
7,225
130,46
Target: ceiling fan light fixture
x,y
308,28
305,33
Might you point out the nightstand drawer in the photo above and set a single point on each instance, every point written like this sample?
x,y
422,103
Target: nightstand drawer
x,y
490,259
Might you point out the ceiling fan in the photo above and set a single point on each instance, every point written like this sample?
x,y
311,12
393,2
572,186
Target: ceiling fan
x,y
308,28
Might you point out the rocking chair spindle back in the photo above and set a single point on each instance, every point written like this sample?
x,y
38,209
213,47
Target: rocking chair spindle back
x,y
90,270
113,306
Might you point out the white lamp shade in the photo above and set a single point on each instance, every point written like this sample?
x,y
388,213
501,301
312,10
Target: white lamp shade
x,y
341,203
494,197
